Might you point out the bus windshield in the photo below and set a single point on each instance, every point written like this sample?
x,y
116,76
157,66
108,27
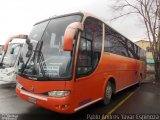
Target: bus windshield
x,y
43,57
11,57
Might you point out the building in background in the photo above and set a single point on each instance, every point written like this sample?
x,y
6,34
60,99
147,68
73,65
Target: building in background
x,y
149,57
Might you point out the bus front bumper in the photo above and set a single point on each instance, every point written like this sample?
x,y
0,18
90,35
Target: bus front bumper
x,y
60,105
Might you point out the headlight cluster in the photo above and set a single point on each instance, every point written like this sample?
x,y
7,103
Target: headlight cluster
x,y
19,86
59,93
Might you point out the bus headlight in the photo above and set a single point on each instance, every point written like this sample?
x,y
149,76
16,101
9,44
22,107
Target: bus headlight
x,y
19,86
59,93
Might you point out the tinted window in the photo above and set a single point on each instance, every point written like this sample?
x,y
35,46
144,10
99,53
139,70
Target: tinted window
x,y
90,46
115,43
50,61
118,44
134,50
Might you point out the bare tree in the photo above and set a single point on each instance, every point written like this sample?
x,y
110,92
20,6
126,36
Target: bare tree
x,y
149,12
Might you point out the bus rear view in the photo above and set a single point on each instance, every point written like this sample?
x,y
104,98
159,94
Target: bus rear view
x,y
64,66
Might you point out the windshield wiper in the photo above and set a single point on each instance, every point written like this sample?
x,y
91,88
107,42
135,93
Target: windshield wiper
x,y
30,48
22,71
37,57
40,59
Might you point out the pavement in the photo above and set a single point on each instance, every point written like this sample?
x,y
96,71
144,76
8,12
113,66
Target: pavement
x,y
145,100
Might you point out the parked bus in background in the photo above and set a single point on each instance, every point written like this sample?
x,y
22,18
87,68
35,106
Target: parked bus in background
x,y
10,58
1,49
77,60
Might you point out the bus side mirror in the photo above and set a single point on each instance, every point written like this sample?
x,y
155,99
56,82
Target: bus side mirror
x,y
70,34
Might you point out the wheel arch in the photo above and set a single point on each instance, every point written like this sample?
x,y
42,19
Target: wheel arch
x,y
113,82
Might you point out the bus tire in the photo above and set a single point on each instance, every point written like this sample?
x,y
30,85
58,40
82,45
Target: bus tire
x,y
107,93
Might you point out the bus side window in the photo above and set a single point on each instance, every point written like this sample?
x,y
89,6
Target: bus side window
x,y
115,42
90,47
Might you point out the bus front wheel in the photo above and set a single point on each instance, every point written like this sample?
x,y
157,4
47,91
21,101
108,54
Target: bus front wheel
x,y
107,93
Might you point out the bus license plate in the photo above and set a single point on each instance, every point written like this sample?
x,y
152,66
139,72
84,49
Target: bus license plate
x,y
32,100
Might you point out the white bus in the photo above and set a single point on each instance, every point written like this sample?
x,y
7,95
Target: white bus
x,y
10,59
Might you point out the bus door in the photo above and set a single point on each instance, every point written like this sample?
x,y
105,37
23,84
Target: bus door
x,y
88,78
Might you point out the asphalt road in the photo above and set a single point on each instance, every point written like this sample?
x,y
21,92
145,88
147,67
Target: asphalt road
x,y
10,104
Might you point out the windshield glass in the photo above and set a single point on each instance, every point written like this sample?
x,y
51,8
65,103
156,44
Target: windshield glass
x,y
31,42
48,59
11,55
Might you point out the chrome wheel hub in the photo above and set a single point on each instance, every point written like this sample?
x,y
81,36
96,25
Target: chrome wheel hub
x,y
108,91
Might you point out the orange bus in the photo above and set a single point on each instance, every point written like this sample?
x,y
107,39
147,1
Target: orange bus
x,y
72,61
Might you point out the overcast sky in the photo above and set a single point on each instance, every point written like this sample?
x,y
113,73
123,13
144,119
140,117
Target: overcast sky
x,y
18,16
